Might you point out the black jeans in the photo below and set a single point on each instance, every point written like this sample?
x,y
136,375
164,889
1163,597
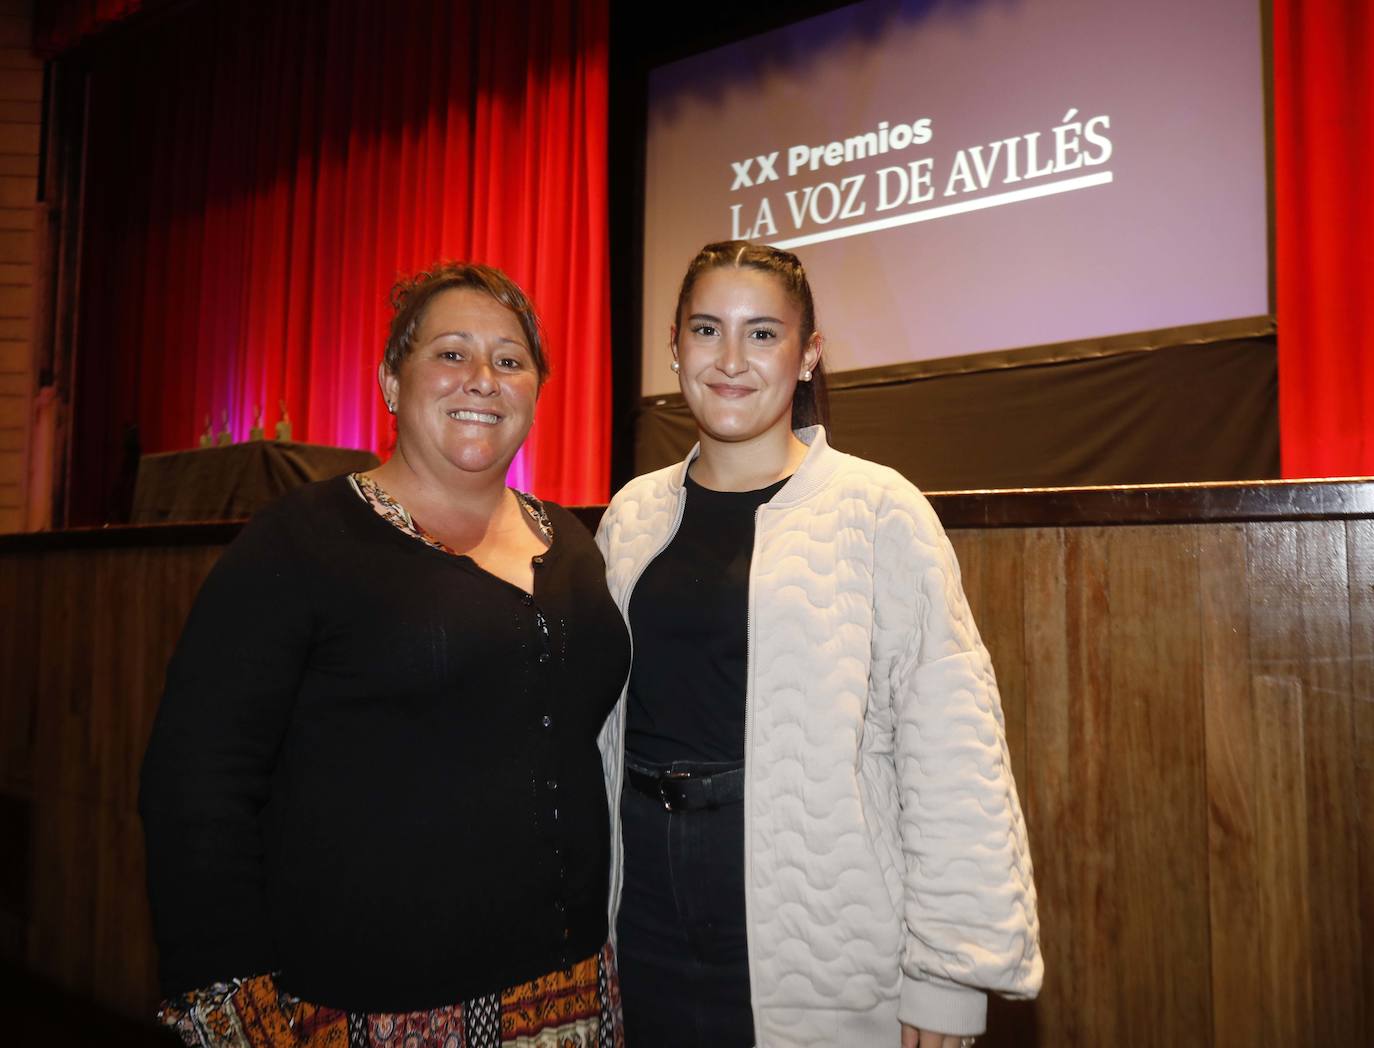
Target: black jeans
x,y
684,963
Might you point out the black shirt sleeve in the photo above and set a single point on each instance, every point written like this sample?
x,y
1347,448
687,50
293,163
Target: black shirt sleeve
x,y
208,770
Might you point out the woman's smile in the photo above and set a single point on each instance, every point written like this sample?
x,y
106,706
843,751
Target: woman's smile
x,y
486,418
722,389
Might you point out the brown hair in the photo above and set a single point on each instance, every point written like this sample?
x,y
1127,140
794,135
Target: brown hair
x,y
810,403
411,296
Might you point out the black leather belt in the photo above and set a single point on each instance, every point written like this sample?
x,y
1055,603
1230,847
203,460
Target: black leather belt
x,y
683,791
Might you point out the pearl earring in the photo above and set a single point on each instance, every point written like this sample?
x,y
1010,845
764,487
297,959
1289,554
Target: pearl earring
x,y
675,366
806,375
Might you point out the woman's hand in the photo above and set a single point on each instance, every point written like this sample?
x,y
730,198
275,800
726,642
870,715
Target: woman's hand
x,y
914,1038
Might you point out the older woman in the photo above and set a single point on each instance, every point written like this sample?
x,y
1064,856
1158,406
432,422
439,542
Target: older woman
x,y
822,840
373,801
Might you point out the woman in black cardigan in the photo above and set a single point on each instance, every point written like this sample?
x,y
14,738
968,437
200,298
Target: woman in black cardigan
x,y
373,802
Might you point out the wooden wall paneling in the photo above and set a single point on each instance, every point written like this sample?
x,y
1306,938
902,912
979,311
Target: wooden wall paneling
x,y
18,220
20,581
1190,711
58,907
16,272
63,906
132,987
1046,794
13,163
16,245
124,935
108,903
15,301
18,190
121,943
20,590
15,356
1070,809
21,93
1234,859
1359,539
159,587
25,111
150,594
992,565
1158,774
22,84
1089,712
73,699
19,138
1291,630
1320,636
16,833
120,647
1286,947
128,670
110,627
105,608
993,572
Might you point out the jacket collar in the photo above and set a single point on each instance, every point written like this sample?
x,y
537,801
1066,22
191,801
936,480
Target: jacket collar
x,y
816,468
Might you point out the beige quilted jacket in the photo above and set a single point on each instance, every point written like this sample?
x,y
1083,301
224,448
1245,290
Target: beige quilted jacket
x,y
888,873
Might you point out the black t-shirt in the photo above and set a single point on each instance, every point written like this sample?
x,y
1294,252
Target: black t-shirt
x,y
374,769
689,616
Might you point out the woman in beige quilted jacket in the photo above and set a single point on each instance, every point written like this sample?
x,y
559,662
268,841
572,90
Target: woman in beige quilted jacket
x,y
817,840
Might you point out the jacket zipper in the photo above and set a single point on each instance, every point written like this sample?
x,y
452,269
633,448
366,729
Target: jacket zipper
x,y
618,868
749,662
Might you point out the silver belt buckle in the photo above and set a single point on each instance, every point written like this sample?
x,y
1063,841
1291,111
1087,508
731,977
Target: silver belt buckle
x,y
667,804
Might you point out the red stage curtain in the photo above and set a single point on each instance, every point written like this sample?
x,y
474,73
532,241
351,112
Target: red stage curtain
x,y
260,172
62,24
1323,171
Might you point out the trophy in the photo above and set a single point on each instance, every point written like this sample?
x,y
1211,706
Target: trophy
x,y
284,423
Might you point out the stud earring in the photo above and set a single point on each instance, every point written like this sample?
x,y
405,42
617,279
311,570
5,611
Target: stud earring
x,y
675,366
806,375
391,407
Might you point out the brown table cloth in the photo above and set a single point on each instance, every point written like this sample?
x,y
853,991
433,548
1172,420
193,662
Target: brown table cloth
x,y
230,482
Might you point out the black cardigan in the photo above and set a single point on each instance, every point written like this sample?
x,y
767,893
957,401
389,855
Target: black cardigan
x,y
374,769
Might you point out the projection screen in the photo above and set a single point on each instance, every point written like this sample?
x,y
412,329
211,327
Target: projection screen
x,y
969,177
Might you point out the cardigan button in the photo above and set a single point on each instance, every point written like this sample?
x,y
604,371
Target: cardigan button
x,y
526,599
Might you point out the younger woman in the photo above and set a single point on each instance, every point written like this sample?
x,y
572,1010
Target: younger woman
x,y
820,842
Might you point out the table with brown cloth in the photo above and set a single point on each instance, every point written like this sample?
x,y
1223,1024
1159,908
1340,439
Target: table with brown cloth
x,y
229,482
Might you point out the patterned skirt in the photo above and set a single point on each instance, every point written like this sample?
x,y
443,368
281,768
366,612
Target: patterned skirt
x,y
578,1007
